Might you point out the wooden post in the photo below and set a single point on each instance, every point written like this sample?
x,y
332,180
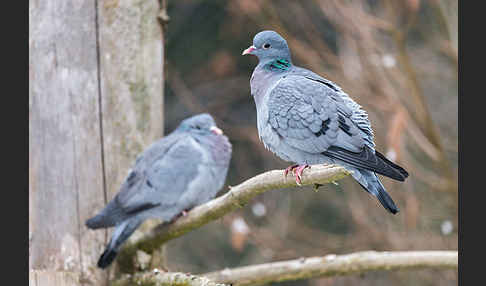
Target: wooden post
x,y
132,73
131,66
95,101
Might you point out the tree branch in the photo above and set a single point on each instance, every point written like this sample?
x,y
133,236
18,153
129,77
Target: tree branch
x,y
236,198
156,278
303,268
332,265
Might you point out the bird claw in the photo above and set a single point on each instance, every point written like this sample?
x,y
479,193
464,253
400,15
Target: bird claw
x,y
181,214
297,170
289,168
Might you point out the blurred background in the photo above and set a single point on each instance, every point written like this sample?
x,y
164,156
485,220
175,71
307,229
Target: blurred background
x,y
398,59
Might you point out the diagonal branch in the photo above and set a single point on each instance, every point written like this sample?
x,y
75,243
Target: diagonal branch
x,y
236,198
332,265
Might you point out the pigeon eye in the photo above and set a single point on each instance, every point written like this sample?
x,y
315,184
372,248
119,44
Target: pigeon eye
x,y
266,46
198,127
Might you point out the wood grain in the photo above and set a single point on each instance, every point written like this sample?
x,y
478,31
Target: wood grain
x,y
131,67
53,278
65,168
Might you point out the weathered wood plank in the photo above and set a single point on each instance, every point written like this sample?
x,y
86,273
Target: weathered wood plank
x,y
131,52
65,160
53,278
65,167
131,61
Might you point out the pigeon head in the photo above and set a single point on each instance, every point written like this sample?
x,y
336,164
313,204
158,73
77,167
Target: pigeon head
x,y
201,124
269,45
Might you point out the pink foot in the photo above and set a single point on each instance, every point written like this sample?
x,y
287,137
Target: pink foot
x,y
181,214
290,168
297,170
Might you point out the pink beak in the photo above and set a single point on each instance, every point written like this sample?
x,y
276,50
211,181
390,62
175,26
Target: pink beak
x,y
216,130
249,50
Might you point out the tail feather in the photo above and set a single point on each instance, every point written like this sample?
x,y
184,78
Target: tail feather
x,y
109,216
391,164
369,160
107,258
387,202
120,235
98,221
371,183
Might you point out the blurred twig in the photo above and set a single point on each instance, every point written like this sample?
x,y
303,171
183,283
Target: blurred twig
x,y
302,268
332,265
420,108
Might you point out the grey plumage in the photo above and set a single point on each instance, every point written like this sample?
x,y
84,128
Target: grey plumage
x,y
307,119
184,169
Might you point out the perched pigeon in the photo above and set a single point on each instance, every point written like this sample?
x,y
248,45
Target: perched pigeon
x,y
307,119
184,169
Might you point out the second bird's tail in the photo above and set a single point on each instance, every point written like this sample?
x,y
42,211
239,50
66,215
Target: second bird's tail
x,y
120,235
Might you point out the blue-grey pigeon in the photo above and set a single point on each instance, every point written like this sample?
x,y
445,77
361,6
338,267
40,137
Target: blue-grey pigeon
x,y
184,169
307,119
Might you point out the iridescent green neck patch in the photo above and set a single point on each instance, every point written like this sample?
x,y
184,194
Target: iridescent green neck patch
x,y
279,64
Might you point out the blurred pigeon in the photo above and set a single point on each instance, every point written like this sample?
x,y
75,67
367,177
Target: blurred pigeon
x,y
184,169
307,119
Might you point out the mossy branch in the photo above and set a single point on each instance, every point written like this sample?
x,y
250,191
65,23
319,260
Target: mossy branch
x,y
236,198
303,268
332,265
156,278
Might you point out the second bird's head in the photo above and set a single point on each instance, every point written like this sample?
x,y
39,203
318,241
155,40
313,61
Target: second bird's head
x,y
201,124
268,45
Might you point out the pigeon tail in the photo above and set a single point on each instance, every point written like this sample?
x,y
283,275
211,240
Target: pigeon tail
x,y
371,183
110,216
120,235
369,160
107,258
391,164
386,201
96,222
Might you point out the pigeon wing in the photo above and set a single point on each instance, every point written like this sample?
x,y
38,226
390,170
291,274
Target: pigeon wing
x,y
311,117
161,178
348,108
